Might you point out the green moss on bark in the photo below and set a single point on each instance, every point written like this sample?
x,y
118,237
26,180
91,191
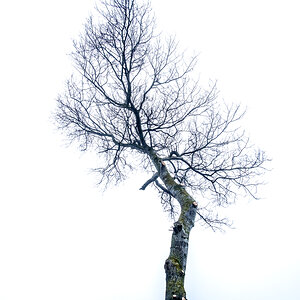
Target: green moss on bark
x,y
175,287
174,278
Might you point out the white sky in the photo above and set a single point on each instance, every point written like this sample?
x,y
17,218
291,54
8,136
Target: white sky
x,y
61,239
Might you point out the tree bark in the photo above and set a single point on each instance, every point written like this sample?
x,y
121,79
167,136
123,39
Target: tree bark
x,y
175,265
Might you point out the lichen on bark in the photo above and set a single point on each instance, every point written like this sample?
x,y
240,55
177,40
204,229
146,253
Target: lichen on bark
x,y
175,265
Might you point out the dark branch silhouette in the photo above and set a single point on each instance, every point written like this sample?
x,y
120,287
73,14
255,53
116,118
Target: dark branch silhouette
x,y
135,101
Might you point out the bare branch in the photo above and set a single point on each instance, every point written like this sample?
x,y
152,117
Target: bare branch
x,y
134,95
152,179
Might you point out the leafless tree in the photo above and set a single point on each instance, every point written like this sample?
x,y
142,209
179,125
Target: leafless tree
x,y
134,100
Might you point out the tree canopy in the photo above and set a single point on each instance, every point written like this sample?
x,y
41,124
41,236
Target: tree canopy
x,y
134,92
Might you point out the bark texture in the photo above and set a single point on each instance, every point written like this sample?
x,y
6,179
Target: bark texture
x,y
175,265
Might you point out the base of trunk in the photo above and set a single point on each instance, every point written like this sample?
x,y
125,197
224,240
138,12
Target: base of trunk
x,y
174,280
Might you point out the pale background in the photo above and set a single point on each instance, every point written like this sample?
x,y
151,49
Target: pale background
x,y
61,238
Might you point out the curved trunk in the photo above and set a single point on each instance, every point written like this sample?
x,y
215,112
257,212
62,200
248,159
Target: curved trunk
x,y
175,264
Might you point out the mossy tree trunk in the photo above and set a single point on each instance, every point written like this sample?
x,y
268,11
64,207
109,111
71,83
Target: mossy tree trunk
x,y
175,265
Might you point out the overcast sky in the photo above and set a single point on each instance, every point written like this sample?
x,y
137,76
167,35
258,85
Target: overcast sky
x,y
61,238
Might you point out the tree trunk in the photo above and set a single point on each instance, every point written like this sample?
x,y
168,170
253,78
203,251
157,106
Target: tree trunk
x,y
175,264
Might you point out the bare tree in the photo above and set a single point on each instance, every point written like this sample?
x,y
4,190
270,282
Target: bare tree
x,y
134,100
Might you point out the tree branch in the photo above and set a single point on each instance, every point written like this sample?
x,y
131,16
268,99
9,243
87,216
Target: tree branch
x,y
153,178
